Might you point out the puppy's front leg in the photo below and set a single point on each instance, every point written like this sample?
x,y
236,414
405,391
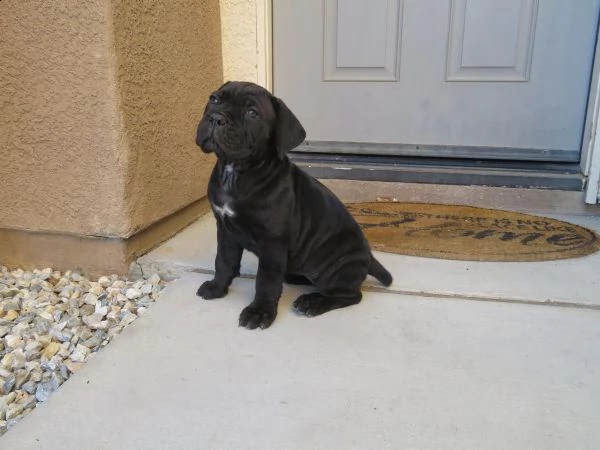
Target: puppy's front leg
x,y
227,266
269,284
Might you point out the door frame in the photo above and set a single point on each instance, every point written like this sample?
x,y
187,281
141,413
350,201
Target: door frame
x,y
592,189
590,145
264,43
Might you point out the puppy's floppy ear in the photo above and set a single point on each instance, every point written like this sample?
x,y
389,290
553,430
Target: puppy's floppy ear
x,y
289,132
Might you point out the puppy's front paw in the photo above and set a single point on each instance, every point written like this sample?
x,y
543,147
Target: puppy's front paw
x,y
257,315
210,290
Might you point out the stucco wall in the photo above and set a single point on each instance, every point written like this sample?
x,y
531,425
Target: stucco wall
x,y
168,61
61,159
238,34
99,102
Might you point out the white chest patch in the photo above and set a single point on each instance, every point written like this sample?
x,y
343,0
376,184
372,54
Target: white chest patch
x,y
224,210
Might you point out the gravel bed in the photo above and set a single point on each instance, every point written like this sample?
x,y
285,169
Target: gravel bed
x,y
51,323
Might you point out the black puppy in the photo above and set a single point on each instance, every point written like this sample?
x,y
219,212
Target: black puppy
x,y
263,203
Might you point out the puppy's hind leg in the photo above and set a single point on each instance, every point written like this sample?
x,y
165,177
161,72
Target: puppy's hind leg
x,y
316,303
334,291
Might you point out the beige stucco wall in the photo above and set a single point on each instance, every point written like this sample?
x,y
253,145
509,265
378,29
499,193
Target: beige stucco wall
x,y
99,102
62,165
239,38
168,58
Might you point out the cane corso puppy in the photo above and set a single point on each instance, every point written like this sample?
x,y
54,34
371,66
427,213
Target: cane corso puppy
x,y
299,230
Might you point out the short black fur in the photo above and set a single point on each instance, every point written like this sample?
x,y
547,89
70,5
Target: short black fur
x,y
263,203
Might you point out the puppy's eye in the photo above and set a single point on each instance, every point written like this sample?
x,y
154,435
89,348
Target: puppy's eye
x,y
214,99
252,113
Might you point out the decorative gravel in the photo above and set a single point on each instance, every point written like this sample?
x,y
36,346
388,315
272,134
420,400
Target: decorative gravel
x,y
51,323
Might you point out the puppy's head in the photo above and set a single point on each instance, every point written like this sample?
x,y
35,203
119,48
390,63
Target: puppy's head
x,y
244,121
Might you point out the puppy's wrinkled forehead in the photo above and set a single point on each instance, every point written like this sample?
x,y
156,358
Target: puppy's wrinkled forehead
x,y
238,95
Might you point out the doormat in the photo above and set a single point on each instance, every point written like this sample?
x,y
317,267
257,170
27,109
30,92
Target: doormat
x,y
470,234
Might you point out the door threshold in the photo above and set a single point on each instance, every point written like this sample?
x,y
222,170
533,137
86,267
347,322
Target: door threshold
x,y
526,200
438,151
461,172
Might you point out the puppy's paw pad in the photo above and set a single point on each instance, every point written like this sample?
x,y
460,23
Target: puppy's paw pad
x,y
311,305
210,290
255,316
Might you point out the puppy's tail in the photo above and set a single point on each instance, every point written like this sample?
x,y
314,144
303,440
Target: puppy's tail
x,y
380,272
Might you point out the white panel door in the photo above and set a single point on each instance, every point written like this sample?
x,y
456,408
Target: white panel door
x,y
459,78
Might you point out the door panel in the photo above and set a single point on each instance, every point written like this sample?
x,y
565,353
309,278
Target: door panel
x,y
491,44
352,56
488,75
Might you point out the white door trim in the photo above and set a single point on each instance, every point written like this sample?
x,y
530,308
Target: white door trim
x,y
593,182
264,43
591,163
590,148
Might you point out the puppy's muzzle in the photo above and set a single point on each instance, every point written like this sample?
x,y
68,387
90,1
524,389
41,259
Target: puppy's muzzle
x,y
217,120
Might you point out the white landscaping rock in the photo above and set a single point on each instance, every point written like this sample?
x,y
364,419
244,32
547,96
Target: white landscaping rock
x,y
133,293
51,323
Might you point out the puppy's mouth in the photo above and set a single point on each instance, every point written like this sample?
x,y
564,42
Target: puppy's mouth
x,y
207,140
217,141
212,145
207,144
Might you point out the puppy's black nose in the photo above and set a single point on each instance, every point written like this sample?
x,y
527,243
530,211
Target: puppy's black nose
x,y
217,119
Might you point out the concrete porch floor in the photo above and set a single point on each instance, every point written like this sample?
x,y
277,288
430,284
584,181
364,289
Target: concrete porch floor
x,y
456,355
567,282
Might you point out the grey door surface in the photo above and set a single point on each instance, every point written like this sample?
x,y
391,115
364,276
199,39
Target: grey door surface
x,y
460,78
